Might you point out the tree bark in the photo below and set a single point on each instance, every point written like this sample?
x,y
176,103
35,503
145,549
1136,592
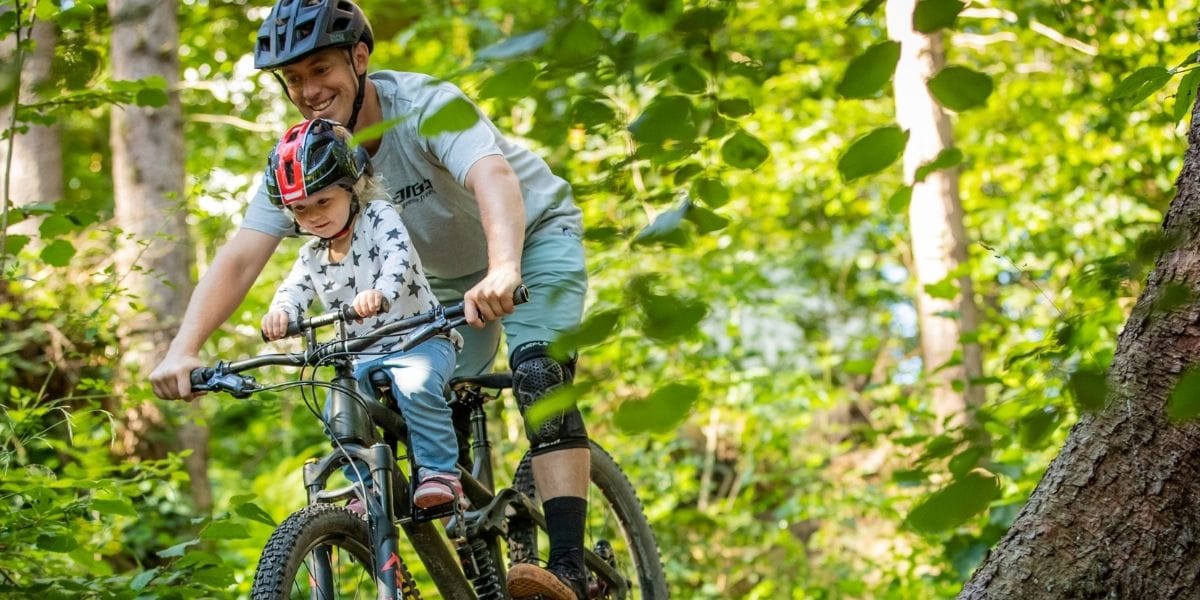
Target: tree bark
x,y
37,172
150,208
1117,514
939,241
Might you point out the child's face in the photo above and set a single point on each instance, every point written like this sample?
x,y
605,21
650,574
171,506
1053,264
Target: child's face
x,y
323,213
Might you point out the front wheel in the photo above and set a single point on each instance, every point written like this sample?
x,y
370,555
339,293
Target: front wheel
x,y
616,531
321,551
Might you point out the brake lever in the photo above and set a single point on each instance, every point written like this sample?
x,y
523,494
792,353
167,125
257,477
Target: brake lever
x,y
217,380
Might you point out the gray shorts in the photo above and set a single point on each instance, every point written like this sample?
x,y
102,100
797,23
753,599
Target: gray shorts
x,y
552,267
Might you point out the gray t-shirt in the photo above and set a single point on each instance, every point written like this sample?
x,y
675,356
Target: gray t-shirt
x,y
426,177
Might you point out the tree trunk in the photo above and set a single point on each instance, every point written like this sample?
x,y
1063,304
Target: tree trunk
x,y
939,242
1117,514
37,171
148,173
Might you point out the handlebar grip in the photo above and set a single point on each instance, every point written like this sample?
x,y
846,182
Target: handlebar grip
x,y
349,314
521,294
200,377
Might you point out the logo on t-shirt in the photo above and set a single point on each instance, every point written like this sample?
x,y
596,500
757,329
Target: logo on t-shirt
x,y
415,192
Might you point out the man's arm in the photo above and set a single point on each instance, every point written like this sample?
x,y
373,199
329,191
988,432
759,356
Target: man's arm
x,y
220,291
502,210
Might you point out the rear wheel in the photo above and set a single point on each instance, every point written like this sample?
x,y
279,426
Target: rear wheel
x,y
320,552
616,532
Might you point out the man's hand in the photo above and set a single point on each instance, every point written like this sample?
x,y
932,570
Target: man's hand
x,y
171,379
492,297
368,302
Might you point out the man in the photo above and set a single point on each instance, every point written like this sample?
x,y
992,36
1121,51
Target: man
x,y
485,216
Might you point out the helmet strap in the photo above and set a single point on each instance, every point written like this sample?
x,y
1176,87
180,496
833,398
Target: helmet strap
x,y
358,96
349,219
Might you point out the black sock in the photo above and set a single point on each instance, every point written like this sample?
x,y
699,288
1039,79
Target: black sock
x,y
565,516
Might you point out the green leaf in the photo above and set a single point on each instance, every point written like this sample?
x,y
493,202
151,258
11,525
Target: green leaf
x,y
950,157
859,366
219,576
14,243
872,152
744,151
735,107
143,579
1139,85
224,530
706,220
666,318
660,412
1184,403
701,20
512,81
866,75
591,113
665,228
151,97
56,542
665,118
1036,426
255,512
1173,296
648,17
58,253
959,88
560,399
954,504
457,115
932,15
1185,96
177,550
900,200
710,191
1089,387
54,226
114,507
579,41
376,131
594,329
518,45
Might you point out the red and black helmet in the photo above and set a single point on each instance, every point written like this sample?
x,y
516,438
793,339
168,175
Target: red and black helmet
x,y
296,28
310,157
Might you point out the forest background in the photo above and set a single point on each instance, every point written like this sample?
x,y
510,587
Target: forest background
x,y
752,353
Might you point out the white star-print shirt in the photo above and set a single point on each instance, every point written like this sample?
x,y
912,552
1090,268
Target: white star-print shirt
x,y
381,257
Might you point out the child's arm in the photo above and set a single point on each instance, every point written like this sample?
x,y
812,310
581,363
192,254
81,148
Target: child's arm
x,y
291,299
400,279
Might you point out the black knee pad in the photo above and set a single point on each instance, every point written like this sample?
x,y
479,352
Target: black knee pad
x,y
534,376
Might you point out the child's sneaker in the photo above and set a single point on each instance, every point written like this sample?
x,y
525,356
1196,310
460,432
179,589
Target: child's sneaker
x,y
437,488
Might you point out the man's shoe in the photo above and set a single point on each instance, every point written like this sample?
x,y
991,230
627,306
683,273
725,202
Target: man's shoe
x,y
527,581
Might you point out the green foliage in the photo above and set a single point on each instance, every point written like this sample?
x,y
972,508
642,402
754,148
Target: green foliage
x,y
750,318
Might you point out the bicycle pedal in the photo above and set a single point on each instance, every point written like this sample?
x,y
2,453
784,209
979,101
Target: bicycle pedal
x,y
424,515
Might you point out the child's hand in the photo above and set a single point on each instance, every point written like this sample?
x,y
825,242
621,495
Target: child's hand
x,y
368,302
274,324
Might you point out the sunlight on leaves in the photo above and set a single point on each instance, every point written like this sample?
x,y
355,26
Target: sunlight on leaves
x,y
1139,85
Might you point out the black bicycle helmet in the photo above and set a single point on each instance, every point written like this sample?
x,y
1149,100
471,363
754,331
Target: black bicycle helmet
x,y
310,157
297,28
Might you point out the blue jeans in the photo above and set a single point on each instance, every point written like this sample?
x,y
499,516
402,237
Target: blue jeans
x,y
419,379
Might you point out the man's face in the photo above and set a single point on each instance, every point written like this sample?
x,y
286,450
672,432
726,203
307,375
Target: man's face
x,y
323,84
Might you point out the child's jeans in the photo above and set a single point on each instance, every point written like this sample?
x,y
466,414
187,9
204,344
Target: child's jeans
x,y
419,379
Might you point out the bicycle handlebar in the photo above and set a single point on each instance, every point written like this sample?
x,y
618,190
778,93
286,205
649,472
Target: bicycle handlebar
x,y
439,321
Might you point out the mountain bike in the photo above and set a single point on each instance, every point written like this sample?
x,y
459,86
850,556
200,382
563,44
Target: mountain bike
x,y
326,550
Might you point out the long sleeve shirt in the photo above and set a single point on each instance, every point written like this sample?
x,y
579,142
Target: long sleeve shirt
x,y
381,257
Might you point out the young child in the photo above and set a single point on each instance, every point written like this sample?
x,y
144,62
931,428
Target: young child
x,y
362,255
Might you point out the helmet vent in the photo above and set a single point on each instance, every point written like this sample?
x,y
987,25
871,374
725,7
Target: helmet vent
x,y
341,24
303,31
